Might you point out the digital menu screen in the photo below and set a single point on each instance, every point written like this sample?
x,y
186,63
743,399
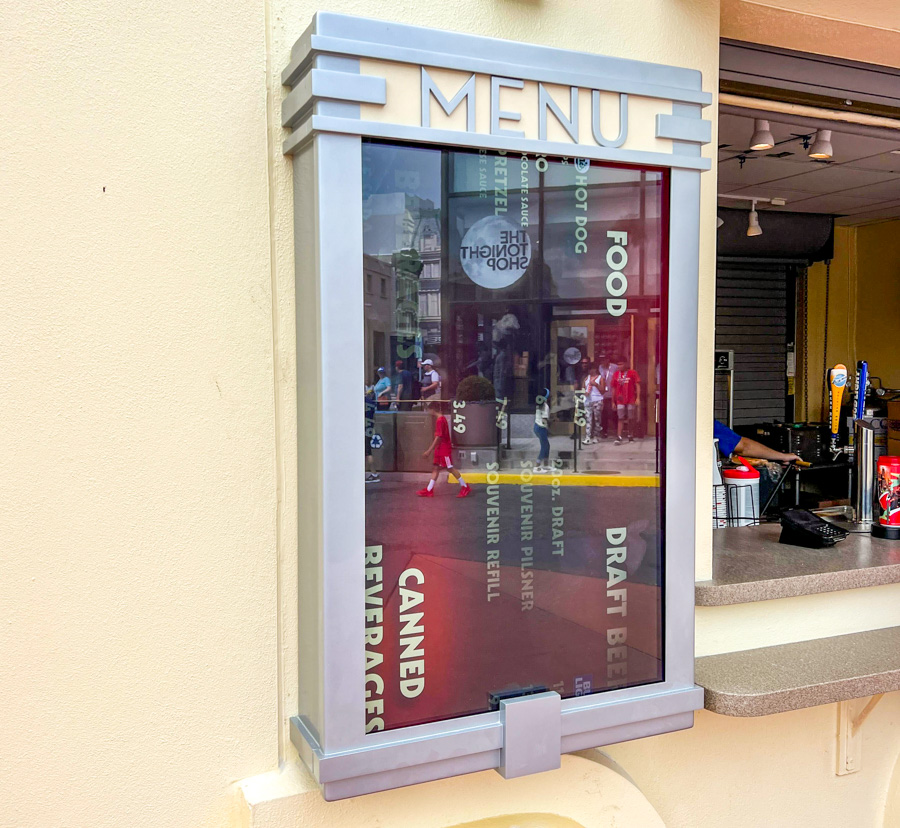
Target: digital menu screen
x,y
514,418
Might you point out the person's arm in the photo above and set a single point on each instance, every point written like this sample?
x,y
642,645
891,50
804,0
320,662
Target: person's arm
x,y
750,448
433,446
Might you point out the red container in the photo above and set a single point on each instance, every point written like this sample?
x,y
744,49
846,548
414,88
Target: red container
x,y
887,491
742,488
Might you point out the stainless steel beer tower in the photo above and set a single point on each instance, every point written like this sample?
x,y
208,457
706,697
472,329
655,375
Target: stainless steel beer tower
x,y
864,449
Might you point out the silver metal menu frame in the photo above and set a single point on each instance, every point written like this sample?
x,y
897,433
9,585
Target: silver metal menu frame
x,y
323,111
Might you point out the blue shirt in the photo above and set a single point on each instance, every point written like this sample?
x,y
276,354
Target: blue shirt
x,y
728,440
384,384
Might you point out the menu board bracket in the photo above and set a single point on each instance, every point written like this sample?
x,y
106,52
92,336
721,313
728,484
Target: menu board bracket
x,y
531,734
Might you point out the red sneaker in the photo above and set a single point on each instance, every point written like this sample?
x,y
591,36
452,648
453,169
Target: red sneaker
x,y
465,491
425,493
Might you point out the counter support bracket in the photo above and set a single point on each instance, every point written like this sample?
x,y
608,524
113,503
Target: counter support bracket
x,y
849,735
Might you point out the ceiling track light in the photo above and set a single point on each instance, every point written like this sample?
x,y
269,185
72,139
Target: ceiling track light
x,y
762,136
753,228
821,146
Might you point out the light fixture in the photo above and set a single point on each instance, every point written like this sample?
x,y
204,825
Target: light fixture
x,y
821,146
762,136
753,228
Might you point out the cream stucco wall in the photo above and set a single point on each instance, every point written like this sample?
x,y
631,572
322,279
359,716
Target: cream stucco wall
x,y
841,322
863,307
148,456
769,772
865,30
138,633
877,304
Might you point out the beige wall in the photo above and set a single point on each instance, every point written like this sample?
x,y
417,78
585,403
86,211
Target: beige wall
x,y
878,300
865,30
841,320
149,420
863,308
768,772
149,606
138,599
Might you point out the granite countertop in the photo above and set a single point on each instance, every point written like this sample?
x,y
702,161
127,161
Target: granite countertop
x,y
750,565
809,673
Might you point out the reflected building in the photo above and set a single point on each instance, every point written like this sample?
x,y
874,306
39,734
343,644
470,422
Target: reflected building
x,y
586,284
403,239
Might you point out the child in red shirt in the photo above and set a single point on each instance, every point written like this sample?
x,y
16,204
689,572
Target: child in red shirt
x,y
442,459
626,385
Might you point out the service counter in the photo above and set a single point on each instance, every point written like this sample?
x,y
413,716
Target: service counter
x,y
749,564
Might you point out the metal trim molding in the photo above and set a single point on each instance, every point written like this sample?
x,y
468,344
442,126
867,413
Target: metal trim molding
x,y
364,37
346,39
400,132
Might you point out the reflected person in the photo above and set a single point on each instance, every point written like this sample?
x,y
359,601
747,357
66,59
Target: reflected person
x,y
442,454
608,419
402,386
594,386
371,474
541,426
382,389
431,380
626,387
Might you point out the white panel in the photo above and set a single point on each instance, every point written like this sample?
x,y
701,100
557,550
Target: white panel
x,y
827,178
756,171
832,203
882,213
888,162
885,191
771,190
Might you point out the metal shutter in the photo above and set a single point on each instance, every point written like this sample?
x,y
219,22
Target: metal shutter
x,y
751,320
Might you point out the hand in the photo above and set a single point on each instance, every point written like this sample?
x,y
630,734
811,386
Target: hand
x,y
790,458
425,453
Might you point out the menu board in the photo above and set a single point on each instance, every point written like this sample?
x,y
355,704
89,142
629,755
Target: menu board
x,y
514,309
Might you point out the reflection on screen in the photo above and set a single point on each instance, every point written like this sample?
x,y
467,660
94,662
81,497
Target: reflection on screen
x,y
514,349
